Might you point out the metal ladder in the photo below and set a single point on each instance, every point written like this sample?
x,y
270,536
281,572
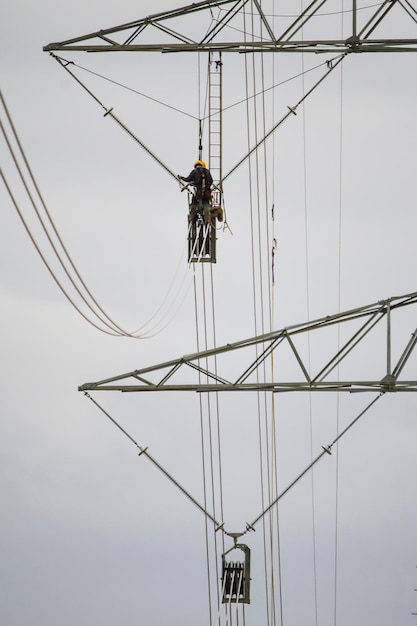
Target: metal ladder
x,y
215,123
202,239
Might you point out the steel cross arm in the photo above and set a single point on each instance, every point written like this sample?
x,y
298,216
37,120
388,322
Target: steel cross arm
x,y
170,375
127,37
352,386
317,47
138,26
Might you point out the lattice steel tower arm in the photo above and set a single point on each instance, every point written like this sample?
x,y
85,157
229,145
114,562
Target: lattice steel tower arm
x,y
280,34
373,324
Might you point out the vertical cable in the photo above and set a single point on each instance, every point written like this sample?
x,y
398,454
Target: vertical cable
x,y
307,274
252,228
203,461
205,323
272,320
209,418
339,298
260,242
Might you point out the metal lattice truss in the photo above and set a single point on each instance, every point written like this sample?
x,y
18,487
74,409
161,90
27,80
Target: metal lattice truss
x,y
213,25
364,336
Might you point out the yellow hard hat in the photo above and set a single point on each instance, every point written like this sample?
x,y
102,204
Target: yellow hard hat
x,y
199,163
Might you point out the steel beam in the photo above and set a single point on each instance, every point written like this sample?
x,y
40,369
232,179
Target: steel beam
x,y
186,373
128,37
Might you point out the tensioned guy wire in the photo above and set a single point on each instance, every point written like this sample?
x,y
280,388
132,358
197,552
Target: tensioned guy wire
x,y
144,452
326,450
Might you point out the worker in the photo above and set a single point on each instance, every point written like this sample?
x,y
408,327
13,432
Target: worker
x,y
202,180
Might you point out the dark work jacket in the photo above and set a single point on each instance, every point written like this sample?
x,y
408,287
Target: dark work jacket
x,y
201,178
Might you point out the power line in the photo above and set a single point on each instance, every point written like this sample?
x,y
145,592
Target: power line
x,y
108,325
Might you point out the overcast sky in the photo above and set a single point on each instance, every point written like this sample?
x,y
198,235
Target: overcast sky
x,y
90,532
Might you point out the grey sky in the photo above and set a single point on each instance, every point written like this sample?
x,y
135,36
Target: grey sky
x,y
90,532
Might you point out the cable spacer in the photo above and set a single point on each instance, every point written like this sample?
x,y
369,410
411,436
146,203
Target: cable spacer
x,y
249,527
292,109
108,111
143,450
327,449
